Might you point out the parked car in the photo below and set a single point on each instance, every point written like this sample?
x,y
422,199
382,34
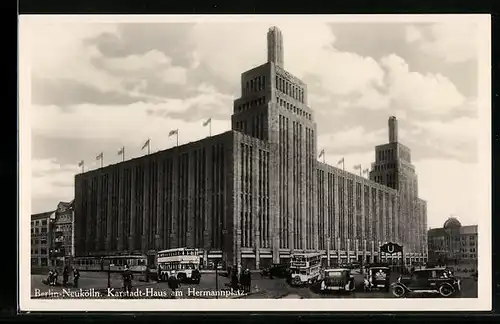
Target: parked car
x,y
434,280
339,279
278,270
377,278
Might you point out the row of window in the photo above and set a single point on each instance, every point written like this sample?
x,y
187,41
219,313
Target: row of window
x,y
292,108
385,166
42,222
386,155
470,256
36,242
289,88
41,250
253,103
254,85
37,230
63,228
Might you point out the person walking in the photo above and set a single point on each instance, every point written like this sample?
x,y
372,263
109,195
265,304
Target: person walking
x,y
234,279
173,284
127,279
248,280
56,274
65,276
76,276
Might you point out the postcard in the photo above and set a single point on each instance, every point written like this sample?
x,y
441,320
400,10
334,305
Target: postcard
x,y
255,163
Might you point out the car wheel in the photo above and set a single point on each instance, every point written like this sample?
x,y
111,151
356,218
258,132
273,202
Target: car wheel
x,y
398,291
446,290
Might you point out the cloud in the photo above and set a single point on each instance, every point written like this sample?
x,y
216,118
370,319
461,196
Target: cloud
x,y
413,34
51,182
432,94
68,92
57,51
351,140
151,63
452,42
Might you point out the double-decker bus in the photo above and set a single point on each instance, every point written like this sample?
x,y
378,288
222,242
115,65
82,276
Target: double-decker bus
x,y
305,268
113,263
183,263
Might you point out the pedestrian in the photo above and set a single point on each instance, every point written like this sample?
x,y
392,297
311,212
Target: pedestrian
x,y
76,276
49,277
249,280
127,279
173,283
159,274
55,276
65,276
234,279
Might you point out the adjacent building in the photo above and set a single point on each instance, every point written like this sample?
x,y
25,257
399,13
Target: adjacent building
x,y
52,236
61,230
40,239
256,193
453,243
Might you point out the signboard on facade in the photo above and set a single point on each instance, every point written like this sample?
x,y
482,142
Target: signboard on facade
x,y
391,248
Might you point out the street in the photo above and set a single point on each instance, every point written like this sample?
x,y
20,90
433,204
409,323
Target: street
x,y
94,285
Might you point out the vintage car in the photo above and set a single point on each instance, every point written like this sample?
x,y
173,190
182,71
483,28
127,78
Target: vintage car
x,y
433,280
337,280
377,278
276,270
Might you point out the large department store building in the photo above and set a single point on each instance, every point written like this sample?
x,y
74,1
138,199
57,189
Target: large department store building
x,y
253,195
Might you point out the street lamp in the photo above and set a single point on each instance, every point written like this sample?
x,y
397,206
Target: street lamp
x,y
109,274
216,263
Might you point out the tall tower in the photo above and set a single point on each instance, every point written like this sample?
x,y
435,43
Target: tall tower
x,y
393,168
273,108
275,46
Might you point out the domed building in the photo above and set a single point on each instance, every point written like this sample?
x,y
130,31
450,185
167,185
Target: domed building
x,y
453,243
452,223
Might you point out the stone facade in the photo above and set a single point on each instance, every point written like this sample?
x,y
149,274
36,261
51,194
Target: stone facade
x,y
251,195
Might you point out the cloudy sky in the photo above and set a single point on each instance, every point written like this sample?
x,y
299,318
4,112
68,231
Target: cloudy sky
x,y
98,86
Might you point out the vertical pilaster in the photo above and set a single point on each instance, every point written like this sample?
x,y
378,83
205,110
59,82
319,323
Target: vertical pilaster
x,y
98,232
133,213
208,197
190,205
336,198
303,214
175,199
160,193
146,211
109,207
121,215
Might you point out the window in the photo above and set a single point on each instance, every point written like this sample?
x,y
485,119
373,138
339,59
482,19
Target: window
x,y
36,230
44,222
43,251
44,229
43,241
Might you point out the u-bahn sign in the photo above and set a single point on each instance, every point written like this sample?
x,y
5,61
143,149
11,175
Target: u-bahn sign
x,y
391,248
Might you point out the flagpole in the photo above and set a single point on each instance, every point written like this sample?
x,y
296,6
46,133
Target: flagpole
x,y
343,164
210,129
149,147
83,167
102,158
360,170
177,136
123,153
324,161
